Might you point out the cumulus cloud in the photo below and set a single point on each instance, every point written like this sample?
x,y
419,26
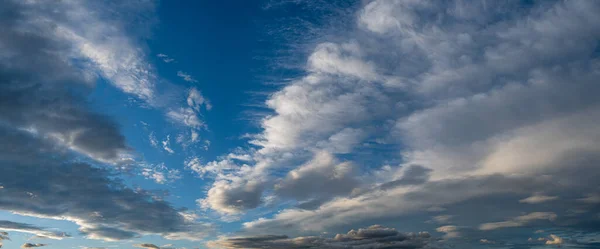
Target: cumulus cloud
x,y
371,237
233,195
519,221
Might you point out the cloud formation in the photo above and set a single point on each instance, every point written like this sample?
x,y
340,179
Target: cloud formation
x,y
475,101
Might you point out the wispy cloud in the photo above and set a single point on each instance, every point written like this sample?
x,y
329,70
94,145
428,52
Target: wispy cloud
x,y
165,58
519,221
185,76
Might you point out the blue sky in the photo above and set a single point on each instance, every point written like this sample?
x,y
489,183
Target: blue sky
x,y
299,124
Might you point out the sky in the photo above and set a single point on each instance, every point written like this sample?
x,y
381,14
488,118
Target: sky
x,y
271,124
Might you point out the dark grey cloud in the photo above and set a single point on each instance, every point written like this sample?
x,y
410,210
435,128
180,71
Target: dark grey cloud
x,y
39,180
413,175
147,246
321,178
372,237
38,86
30,245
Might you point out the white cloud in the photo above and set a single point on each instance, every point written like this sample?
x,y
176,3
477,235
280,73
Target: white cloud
x,y
153,140
519,221
160,173
213,168
185,76
554,240
195,100
486,241
109,50
165,58
450,231
535,199
186,116
166,144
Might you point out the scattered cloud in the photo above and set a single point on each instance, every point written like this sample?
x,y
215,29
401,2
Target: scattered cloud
x,y
160,173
